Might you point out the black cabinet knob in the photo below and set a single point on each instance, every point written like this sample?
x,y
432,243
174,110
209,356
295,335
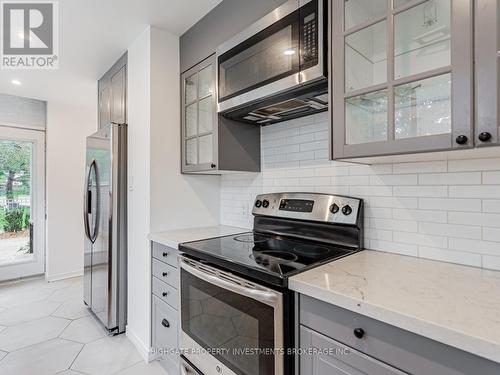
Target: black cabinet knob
x,y
165,274
164,294
334,208
359,333
165,323
462,140
347,210
213,165
165,254
484,137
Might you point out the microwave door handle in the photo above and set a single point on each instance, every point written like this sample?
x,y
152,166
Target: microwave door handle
x,y
268,297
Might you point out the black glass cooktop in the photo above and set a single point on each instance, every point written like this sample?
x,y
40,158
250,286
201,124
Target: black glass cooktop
x,y
272,257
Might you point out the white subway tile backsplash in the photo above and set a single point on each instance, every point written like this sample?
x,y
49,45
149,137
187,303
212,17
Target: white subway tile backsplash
x,y
451,256
408,179
421,167
475,246
472,205
491,234
476,219
491,205
474,165
492,178
420,191
442,210
483,191
450,230
421,215
471,178
421,239
492,263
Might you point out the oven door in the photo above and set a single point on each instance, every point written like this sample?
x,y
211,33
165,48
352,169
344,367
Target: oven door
x,y
229,325
277,53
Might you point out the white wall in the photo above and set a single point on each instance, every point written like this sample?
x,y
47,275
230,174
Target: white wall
x,y
160,197
443,210
68,124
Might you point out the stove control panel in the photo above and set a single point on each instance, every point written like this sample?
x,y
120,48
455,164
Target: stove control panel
x,y
309,206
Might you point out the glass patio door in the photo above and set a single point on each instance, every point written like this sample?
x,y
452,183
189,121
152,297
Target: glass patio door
x,y
22,202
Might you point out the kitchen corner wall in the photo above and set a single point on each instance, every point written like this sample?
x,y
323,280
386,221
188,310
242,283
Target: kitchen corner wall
x,y
442,210
159,196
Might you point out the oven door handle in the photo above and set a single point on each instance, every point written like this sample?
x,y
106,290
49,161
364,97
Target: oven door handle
x,y
267,296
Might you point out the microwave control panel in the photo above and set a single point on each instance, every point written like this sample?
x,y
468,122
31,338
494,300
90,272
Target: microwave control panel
x,y
309,34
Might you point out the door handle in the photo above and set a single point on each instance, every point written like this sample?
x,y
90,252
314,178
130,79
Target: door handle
x,y
165,323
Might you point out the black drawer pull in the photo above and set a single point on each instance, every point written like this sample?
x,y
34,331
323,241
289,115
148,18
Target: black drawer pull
x,y
359,333
165,274
165,323
164,294
165,254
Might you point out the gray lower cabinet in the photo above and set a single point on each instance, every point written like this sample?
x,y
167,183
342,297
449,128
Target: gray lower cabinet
x,y
164,306
402,77
329,357
351,343
212,144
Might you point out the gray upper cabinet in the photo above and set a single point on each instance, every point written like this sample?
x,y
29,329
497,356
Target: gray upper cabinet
x,y
402,76
199,117
112,94
487,53
212,144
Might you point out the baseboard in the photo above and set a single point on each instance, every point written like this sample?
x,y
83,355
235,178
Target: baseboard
x,y
143,350
62,276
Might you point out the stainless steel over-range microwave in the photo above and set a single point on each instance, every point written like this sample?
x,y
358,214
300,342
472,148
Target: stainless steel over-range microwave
x,y
276,69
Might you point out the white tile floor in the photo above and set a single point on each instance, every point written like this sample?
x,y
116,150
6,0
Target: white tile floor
x,y
45,329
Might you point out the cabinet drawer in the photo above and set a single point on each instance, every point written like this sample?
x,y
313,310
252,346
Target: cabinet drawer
x,y
166,293
332,358
166,273
165,332
165,254
404,350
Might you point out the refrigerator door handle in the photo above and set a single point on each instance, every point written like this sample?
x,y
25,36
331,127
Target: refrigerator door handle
x,y
95,232
92,234
87,205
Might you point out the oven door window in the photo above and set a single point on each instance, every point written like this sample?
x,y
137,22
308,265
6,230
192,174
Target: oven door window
x,y
241,329
268,56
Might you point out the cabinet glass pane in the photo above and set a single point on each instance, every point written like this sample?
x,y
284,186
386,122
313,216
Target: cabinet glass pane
x,y
206,149
366,118
423,108
366,57
422,38
206,116
359,11
398,3
192,151
191,89
205,82
191,120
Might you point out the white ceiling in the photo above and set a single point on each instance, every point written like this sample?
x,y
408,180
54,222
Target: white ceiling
x,y
94,33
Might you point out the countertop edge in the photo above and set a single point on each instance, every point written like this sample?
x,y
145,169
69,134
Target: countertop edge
x,y
487,349
193,234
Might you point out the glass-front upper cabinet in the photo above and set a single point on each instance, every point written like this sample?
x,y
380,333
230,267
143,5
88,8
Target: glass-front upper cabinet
x,y
199,117
402,76
487,54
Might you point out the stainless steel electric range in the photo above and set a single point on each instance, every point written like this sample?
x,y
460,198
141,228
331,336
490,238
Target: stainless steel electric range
x,y
237,313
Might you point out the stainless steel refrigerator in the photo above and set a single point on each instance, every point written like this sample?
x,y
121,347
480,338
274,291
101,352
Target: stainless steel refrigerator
x,y
105,223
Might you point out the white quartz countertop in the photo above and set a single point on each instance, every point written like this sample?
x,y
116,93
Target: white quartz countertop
x,y
172,238
455,305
